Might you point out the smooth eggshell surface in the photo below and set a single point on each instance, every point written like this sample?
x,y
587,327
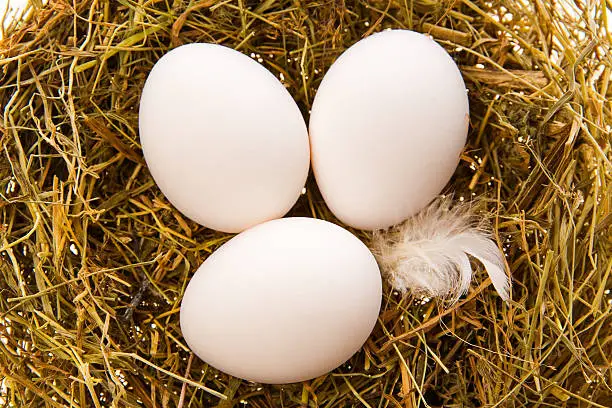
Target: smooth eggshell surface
x,y
387,127
285,301
222,137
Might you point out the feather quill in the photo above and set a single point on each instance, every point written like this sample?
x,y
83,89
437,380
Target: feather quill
x,y
428,253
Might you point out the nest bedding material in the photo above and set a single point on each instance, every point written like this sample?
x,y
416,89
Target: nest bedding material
x,y
94,260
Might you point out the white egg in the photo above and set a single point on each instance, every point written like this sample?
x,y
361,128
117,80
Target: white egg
x,y
285,301
387,127
222,137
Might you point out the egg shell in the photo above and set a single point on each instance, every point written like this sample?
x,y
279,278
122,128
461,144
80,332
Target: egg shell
x,y
222,137
285,301
387,127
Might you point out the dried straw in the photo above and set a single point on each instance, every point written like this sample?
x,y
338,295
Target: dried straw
x,y
94,260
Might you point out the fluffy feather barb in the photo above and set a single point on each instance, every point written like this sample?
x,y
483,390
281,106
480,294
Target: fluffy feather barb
x,y
428,253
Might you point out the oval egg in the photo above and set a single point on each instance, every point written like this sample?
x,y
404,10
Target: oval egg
x,y
387,127
222,137
285,301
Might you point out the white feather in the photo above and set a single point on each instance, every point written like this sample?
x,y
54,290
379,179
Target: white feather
x,y
428,253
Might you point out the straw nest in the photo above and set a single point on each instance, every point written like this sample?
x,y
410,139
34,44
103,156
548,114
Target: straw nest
x,y
94,260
